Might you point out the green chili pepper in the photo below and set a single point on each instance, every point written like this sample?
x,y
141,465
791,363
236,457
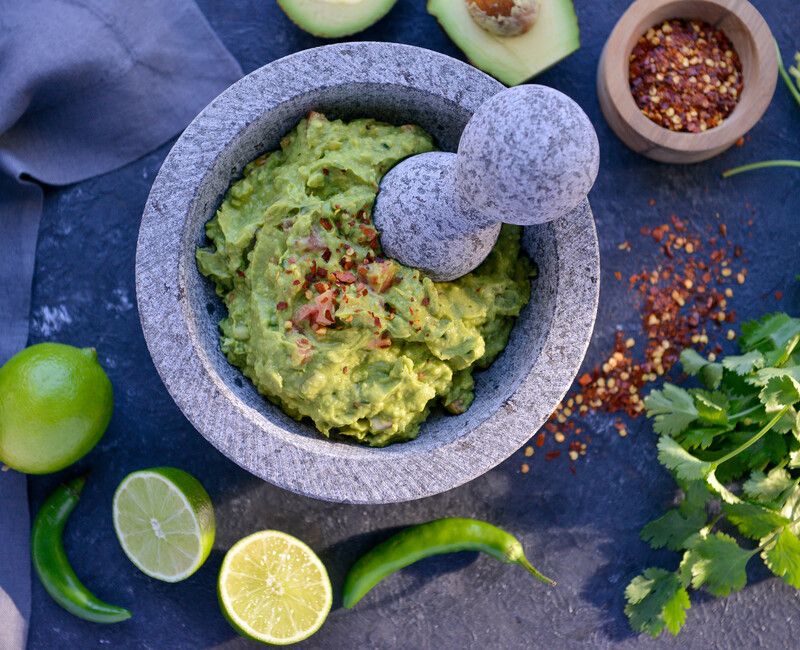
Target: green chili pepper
x,y
434,538
52,565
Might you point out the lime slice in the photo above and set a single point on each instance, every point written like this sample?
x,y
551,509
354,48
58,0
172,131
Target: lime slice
x,y
273,588
164,521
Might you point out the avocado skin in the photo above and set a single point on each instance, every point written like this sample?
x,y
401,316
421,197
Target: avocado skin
x,y
333,20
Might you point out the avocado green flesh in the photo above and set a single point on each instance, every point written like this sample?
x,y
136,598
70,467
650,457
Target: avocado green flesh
x,y
512,60
335,18
320,322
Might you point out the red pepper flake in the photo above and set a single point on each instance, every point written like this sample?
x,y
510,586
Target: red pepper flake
x,y
281,305
295,282
345,277
325,223
321,287
683,301
618,275
345,370
325,171
240,273
779,295
551,455
376,321
425,301
326,255
685,75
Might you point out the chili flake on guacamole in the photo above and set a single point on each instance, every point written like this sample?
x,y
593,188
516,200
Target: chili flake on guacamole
x,y
319,320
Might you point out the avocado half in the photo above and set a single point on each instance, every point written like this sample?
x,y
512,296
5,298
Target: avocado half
x,y
335,18
512,59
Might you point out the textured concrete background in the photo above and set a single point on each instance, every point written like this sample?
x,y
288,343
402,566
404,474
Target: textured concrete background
x,y
581,529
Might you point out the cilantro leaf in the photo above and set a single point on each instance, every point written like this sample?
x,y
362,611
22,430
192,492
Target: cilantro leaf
x,y
692,361
680,461
656,600
711,375
695,496
695,364
673,529
702,437
778,392
725,494
782,556
753,521
717,563
745,363
673,409
771,449
792,373
766,488
712,408
773,332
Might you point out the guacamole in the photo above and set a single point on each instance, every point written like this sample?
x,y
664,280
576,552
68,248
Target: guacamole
x,y
319,320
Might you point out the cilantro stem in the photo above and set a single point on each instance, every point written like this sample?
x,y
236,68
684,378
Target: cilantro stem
x,y
786,78
795,90
746,411
768,540
753,440
760,165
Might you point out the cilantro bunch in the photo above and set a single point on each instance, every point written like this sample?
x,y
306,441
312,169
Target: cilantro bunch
x,y
733,447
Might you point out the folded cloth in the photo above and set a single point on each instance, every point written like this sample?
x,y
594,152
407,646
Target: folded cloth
x,y
87,86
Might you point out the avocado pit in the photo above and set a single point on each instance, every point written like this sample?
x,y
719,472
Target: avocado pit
x,y
504,17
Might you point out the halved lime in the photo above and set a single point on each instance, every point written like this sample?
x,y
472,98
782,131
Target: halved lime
x,y
164,521
273,588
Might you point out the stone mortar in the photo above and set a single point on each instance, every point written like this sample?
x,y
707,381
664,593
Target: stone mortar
x,y
179,310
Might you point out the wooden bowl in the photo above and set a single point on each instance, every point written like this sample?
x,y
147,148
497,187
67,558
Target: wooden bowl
x,y
752,39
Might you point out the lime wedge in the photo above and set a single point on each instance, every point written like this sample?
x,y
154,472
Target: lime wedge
x,y
164,521
274,589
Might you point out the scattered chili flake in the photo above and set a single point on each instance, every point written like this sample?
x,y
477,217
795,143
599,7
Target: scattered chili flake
x,y
281,305
427,301
325,223
326,255
550,455
682,302
325,171
685,75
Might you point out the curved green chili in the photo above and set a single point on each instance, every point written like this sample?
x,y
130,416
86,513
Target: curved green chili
x,y
434,538
52,565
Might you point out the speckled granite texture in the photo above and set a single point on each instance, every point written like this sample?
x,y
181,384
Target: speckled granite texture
x,y
180,311
527,156
583,529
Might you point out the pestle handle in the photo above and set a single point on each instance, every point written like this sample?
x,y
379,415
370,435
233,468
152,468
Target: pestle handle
x,y
528,155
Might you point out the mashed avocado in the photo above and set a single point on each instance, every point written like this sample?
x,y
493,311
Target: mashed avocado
x,y
324,325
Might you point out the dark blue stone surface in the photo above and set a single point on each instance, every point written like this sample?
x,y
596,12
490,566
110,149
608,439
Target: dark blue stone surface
x,y
581,529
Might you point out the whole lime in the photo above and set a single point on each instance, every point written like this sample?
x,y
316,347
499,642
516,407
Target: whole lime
x,y
55,405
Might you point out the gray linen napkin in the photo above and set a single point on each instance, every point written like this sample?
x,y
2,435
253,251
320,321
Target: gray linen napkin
x,y
86,86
